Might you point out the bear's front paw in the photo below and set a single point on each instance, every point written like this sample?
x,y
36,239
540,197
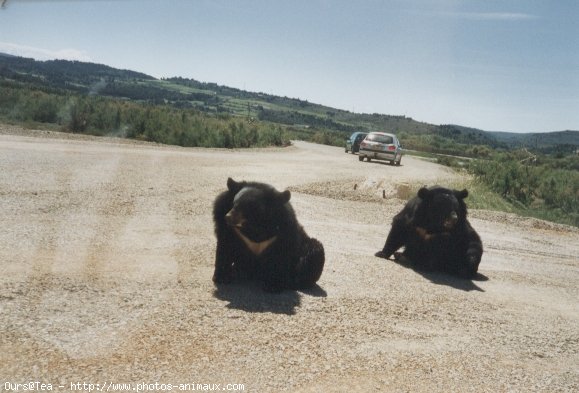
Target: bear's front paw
x,y
381,254
466,273
470,270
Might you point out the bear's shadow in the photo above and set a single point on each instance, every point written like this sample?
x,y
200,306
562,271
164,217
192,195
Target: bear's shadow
x,y
440,278
249,296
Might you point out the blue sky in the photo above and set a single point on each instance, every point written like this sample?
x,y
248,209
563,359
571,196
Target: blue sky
x,y
498,65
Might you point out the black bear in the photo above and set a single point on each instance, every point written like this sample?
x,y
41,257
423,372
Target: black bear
x,y
435,233
259,238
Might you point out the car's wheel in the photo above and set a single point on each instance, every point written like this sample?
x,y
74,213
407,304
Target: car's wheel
x,y
346,150
360,158
368,158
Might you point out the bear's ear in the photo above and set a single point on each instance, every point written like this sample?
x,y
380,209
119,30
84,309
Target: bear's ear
x,y
233,186
423,193
461,194
284,197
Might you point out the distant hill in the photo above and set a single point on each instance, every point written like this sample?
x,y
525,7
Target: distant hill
x,y
61,76
65,74
536,140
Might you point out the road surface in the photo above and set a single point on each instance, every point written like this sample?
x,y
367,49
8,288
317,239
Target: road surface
x,y
107,251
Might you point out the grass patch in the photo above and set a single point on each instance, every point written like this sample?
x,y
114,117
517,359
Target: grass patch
x,y
481,197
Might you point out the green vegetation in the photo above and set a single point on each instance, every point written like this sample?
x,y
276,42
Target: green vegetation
x,y
157,123
95,99
533,185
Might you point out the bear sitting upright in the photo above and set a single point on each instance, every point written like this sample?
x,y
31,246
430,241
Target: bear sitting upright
x,y
436,234
259,237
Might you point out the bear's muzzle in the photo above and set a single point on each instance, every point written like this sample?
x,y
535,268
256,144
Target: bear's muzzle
x,y
451,221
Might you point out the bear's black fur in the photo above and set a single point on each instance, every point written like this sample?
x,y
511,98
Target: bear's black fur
x,y
435,233
259,237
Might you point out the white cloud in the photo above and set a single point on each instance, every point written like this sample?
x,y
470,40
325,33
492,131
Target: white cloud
x,y
43,54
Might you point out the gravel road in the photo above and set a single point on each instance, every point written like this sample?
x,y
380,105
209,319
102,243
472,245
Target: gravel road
x,y
106,258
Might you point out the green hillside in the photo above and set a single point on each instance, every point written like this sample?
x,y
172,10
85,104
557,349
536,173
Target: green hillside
x,y
300,118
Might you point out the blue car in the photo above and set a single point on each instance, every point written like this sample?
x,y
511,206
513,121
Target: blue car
x,y
353,142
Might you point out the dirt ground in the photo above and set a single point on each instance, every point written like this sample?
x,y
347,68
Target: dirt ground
x,y
106,258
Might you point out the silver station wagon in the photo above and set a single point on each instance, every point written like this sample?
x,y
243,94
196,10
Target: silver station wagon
x,y
381,146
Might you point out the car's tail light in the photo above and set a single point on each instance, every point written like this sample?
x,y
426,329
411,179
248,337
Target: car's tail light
x,y
392,148
363,144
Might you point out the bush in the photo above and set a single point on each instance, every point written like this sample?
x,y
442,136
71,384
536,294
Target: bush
x,y
539,189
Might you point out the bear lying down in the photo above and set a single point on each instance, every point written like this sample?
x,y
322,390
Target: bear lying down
x,y
435,233
259,238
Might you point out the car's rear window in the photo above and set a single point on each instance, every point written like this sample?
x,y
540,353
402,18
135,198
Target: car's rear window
x,y
380,138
